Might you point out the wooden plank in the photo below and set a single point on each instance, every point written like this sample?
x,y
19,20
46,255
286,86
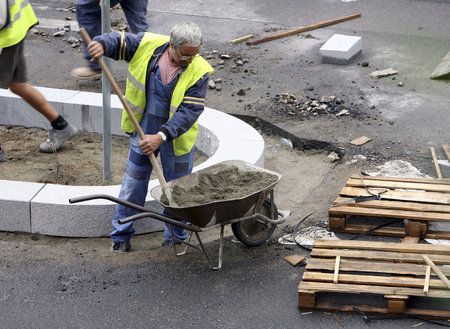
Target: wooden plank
x,y
373,280
348,265
389,231
320,305
395,205
435,162
410,239
378,255
416,196
368,229
383,246
402,214
336,269
426,285
437,270
447,151
398,185
396,303
409,180
303,29
306,299
370,289
241,39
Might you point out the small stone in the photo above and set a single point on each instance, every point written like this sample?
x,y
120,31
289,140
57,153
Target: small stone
x,y
225,56
364,64
327,99
241,92
219,80
68,18
342,112
239,63
221,62
211,84
218,88
400,84
72,40
59,33
333,156
323,107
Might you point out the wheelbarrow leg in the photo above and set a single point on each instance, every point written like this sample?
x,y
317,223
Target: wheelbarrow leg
x,y
219,265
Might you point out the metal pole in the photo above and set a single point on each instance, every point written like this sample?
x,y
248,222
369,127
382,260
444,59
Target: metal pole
x,y
106,91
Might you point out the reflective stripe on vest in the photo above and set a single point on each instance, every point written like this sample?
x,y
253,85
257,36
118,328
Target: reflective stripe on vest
x,y
135,88
22,19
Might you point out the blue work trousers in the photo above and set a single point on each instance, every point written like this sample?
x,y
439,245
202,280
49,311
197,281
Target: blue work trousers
x,y
135,184
89,16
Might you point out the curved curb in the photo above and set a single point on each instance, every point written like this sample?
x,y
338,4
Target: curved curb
x,y
44,208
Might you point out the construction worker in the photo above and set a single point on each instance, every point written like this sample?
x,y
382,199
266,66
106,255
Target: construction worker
x,y
89,16
166,88
13,73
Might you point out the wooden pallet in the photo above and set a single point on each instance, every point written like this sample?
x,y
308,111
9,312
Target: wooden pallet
x,y
420,201
394,274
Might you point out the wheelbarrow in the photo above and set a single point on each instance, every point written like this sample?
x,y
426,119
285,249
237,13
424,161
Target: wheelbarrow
x,y
253,216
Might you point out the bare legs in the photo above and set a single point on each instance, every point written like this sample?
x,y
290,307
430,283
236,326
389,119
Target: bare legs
x,y
34,97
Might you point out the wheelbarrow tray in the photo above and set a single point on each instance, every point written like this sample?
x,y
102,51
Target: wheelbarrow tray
x,y
217,211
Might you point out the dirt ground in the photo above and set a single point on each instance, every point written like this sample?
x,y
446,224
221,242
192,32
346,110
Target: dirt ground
x,y
79,162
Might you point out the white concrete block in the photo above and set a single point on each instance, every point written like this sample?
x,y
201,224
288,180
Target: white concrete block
x,y
15,200
341,49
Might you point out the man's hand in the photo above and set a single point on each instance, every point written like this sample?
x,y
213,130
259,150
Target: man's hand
x,y
95,49
150,143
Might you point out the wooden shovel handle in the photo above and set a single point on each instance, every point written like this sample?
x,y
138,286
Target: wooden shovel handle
x,y
137,127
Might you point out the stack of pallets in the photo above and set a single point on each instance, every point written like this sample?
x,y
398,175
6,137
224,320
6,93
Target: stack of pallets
x,y
395,272
414,207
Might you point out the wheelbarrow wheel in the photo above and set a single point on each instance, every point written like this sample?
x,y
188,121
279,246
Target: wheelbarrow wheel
x,y
253,232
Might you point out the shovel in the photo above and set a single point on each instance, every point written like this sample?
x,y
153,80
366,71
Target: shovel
x,y
137,127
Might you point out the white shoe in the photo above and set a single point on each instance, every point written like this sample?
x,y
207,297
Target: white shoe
x,y
57,138
86,73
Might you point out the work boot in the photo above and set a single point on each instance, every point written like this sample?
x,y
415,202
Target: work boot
x,y
2,155
57,138
121,246
86,73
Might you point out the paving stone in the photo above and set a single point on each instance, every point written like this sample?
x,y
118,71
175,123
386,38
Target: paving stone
x,y
341,49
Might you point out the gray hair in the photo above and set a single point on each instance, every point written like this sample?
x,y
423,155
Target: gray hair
x,y
189,33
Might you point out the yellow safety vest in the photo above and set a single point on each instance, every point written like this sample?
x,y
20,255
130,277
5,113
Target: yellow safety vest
x,y
22,19
135,88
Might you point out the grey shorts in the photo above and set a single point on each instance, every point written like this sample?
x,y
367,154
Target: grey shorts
x,y
12,65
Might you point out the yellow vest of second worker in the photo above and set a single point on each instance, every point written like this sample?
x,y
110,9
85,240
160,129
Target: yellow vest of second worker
x,y
22,19
135,89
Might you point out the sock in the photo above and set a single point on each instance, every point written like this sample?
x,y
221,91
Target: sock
x,y
59,123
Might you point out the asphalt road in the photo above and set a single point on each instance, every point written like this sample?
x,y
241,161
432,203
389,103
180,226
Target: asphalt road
x,y
65,283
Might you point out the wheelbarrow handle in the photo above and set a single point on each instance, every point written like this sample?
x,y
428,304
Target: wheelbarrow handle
x,y
162,218
145,212
110,198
